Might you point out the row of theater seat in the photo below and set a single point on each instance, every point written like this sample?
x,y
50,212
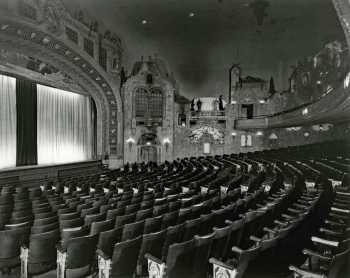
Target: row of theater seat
x,y
167,220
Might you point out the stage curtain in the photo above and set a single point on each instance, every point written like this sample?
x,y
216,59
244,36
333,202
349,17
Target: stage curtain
x,y
7,121
26,122
65,126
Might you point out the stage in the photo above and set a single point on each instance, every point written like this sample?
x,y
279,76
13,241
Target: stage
x,y
38,174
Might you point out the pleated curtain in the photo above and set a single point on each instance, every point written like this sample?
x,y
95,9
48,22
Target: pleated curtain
x,y
7,122
26,99
64,126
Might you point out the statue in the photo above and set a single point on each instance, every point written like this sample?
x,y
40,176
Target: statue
x,y
272,89
123,77
236,77
259,7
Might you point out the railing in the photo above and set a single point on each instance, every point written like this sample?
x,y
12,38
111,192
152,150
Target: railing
x,y
207,114
257,122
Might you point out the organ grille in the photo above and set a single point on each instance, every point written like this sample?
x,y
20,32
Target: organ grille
x,y
149,103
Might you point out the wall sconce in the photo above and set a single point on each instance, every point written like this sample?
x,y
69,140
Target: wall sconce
x,y
306,134
233,102
234,134
293,128
325,127
273,136
130,141
262,101
347,81
305,112
259,133
166,142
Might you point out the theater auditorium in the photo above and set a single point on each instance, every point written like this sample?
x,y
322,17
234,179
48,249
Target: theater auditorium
x,y
174,139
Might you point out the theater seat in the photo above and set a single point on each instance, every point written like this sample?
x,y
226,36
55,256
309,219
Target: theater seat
x,y
153,244
76,258
123,261
11,242
179,261
40,255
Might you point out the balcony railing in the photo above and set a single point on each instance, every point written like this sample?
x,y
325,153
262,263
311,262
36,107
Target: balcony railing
x,y
207,114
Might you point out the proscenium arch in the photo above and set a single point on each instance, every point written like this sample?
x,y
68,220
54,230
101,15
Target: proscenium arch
x,y
101,103
17,36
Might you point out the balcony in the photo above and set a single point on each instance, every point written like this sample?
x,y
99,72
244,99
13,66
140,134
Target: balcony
x,y
255,123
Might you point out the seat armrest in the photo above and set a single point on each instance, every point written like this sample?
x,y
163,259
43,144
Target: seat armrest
x,y
340,210
297,211
281,223
287,216
255,239
300,206
237,250
343,193
325,242
303,202
221,264
305,198
330,232
102,254
304,273
265,229
341,225
339,216
311,253
153,258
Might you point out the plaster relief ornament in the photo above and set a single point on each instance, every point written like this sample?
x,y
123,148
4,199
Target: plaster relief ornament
x,y
53,15
197,134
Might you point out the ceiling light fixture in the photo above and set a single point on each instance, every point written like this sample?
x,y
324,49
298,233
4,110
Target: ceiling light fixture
x,y
144,21
191,15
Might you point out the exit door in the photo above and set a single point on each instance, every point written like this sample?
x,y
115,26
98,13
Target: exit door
x,y
148,154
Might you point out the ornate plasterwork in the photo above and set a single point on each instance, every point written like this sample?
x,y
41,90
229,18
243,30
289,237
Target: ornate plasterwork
x,y
342,7
29,39
217,136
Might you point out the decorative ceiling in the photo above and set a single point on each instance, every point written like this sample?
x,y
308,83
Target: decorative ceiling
x,y
200,39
